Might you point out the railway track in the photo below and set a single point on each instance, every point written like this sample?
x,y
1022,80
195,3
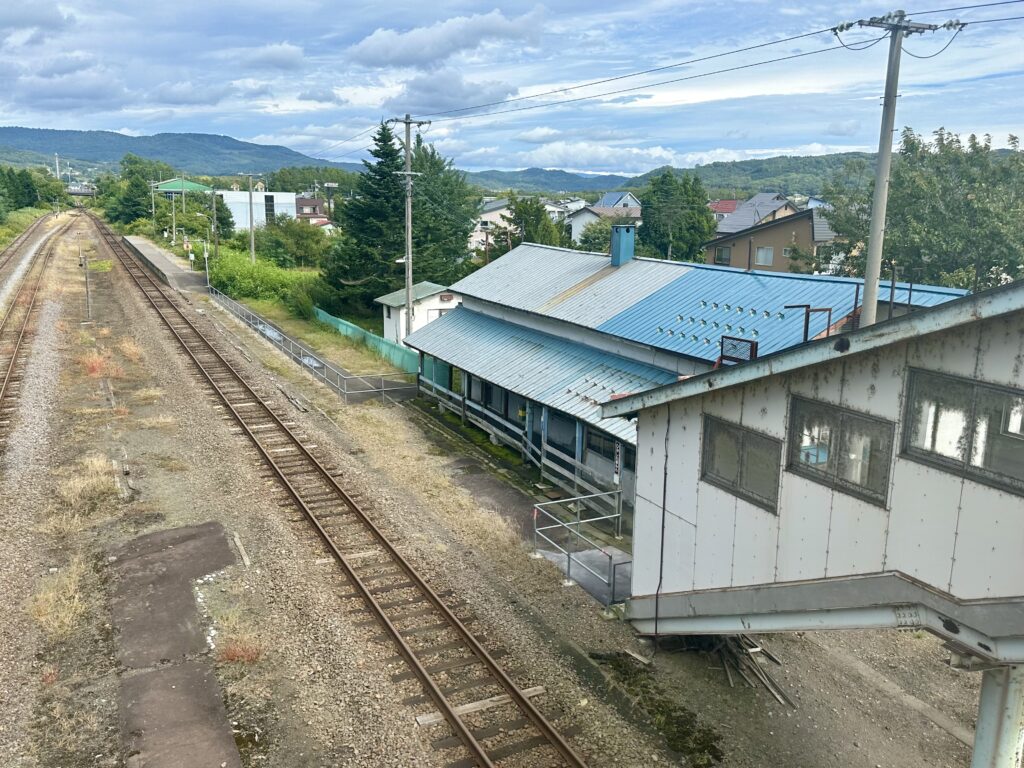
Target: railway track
x,y
16,326
8,253
490,720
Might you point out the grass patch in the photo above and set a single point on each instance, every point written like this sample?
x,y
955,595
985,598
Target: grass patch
x,y
17,222
130,349
59,605
339,349
100,364
238,643
81,492
683,731
147,394
101,265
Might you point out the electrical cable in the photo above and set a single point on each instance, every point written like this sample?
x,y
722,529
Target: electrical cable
x,y
943,48
964,7
993,21
634,88
676,65
874,42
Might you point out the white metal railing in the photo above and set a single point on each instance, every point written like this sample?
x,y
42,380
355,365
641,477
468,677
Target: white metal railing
x,y
362,386
572,529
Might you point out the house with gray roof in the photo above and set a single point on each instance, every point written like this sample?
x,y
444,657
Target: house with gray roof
x,y
618,200
762,207
779,245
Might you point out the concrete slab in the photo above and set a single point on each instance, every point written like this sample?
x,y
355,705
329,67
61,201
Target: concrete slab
x,y
597,561
153,607
173,717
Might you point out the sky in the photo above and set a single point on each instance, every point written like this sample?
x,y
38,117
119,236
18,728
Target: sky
x,y
311,75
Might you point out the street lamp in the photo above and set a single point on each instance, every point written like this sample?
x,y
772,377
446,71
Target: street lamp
x,y
206,262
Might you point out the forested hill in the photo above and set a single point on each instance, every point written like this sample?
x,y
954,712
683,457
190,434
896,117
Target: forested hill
x,y
213,155
200,153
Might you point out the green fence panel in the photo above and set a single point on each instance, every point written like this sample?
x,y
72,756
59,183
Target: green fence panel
x,y
401,357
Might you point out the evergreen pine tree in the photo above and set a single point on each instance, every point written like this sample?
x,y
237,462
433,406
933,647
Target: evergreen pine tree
x,y
362,264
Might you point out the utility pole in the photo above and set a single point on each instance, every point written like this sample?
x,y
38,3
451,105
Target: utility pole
x,y
216,232
898,27
152,204
56,160
252,232
408,122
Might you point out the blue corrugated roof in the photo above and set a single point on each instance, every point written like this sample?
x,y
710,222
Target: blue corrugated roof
x,y
570,377
691,314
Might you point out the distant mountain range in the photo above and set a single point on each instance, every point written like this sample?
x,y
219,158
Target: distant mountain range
x,y
208,154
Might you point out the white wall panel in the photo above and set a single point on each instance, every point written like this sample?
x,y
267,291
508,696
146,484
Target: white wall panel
x,y
757,534
679,539
922,522
819,382
716,517
764,407
951,352
804,509
646,546
1002,350
650,462
856,541
684,460
874,382
989,556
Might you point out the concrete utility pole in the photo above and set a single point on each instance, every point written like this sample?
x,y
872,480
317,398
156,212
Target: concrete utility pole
x,y
252,231
898,28
152,204
56,160
216,232
408,122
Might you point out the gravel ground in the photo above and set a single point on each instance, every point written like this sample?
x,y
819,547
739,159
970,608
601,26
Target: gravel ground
x,y
26,457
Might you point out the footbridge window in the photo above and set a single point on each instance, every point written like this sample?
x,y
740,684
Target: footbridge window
x,y
741,461
840,448
967,427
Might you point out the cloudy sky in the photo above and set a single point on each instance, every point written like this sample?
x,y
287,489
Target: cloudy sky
x,y
309,75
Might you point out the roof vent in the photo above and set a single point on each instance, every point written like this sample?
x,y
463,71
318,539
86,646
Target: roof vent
x,y
623,243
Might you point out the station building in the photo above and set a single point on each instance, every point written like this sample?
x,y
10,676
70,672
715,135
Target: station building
x,y
545,335
869,480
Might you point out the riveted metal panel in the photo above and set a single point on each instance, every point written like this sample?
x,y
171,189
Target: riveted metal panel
x,y
754,553
991,534
716,521
804,509
856,541
922,524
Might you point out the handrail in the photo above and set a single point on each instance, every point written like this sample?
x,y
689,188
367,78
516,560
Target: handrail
x,y
342,382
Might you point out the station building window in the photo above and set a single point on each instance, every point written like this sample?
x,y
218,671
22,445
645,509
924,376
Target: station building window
x,y
268,208
600,443
516,409
723,255
476,389
741,461
840,448
562,433
971,428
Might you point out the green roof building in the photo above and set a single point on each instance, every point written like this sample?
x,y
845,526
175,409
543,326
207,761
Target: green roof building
x,y
177,186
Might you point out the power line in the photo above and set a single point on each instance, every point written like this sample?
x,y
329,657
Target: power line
x,y
649,85
993,21
676,65
964,7
943,48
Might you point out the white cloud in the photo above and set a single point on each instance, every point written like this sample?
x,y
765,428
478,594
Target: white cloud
x,y
429,46
541,134
691,159
598,157
188,94
842,128
274,56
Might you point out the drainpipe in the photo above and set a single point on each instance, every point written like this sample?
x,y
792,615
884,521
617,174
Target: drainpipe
x,y
750,254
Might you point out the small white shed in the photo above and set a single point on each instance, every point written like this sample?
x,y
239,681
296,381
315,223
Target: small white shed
x,y
429,302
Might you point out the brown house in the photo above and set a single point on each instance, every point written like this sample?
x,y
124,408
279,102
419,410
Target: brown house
x,y
772,245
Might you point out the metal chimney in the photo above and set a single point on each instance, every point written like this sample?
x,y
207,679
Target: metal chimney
x,y
623,243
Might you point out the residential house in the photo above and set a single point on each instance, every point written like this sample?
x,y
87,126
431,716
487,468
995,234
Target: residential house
x,y
870,481
264,206
429,302
578,220
618,200
771,245
312,210
722,208
762,207
494,214
572,204
544,335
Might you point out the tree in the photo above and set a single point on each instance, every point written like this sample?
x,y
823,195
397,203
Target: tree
x,y
596,236
362,263
444,211
955,212
133,201
526,222
676,217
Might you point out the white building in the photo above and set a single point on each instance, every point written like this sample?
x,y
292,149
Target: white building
x,y
493,215
870,480
429,301
265,205
580,218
